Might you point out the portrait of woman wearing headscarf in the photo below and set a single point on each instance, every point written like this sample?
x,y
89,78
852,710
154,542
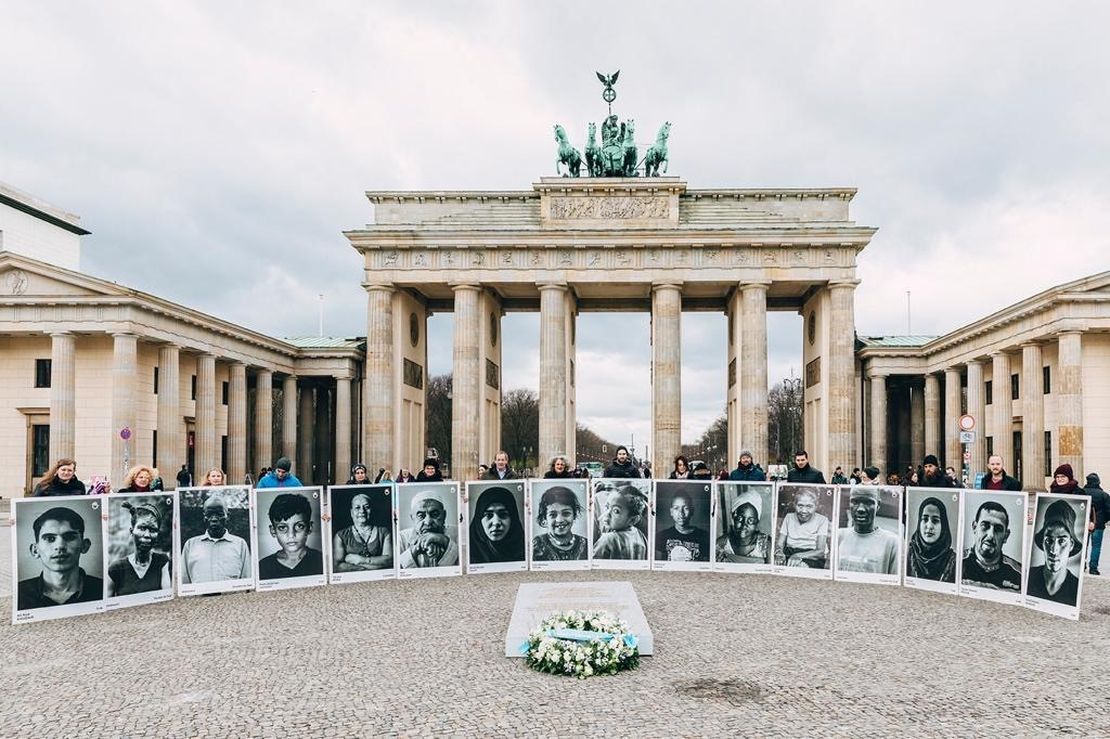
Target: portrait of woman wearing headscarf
x,y
496,531
931,556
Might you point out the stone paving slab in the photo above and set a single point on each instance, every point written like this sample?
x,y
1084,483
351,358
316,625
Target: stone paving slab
x,y
735,654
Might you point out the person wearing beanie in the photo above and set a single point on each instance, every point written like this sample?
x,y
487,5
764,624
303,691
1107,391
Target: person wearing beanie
x,y
871,476
747,470
1058,540
431,472
932,476
1100,512
281,476
1063,481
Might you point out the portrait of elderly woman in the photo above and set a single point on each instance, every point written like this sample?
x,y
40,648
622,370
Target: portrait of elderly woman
x,y
496,531
429,513
367,543
139,526
747,539
1058,546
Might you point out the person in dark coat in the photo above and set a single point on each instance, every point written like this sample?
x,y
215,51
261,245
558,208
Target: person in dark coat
x,y
1063,481
747,470
804,472
558,469
60,479
622,467
500,469
431,472
997,479
931,474
1100,512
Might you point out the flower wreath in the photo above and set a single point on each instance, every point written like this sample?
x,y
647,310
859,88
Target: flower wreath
x,y
581,643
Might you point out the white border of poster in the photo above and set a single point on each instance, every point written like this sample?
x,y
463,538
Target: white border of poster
x,y
1015,503
385,507
234,585
703,492
889,509
21,523
827,499
581,526
1080,505
445,491
730,492
953,510
518,489
644,488
114,506
263,498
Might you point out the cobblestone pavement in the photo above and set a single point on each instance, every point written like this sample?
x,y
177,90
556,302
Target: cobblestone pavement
x,y
750,655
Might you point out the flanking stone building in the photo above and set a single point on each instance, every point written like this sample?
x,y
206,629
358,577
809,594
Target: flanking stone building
x,y
83,359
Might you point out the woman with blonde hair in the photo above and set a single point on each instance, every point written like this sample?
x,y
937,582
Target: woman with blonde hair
x,y
138,479
214,477
60,479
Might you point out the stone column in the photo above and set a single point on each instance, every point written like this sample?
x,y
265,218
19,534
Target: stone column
x,y
917,425
171,441
307,438
666,374
553,372
124,372
977,409
753,370
1032,417
379,391
1069,401
932,416
264,419
342,428
237,423
878,423
465,384
1002,411
207,451
62,406
289,418
842,389
953,450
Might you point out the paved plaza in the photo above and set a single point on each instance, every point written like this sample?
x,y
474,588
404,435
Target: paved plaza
x,y
735,655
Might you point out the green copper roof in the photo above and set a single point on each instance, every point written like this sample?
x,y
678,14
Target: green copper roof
x,y
895,341
324,342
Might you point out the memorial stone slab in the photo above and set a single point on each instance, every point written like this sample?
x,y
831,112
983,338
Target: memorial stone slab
x,y
537,601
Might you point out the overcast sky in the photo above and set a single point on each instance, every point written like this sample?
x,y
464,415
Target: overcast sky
x,y
216,150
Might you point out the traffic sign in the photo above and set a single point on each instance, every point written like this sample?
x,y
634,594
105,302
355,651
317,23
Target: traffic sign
x,y
967,422
967,437
125,433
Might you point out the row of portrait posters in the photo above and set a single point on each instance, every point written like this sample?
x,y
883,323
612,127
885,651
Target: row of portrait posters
x,y
87,554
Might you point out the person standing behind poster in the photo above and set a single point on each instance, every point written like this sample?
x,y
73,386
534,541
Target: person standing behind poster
x,y
622,467
996,478
804,472
1100,512
281,476
60,479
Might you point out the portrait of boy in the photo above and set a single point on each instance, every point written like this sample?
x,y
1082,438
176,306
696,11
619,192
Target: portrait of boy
x,y
290,525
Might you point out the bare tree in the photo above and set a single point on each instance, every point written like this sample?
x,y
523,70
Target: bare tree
x,y
520,427
437,418
784,419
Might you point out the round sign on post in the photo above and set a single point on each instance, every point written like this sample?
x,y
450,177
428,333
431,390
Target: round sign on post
x,y
967,422
125,433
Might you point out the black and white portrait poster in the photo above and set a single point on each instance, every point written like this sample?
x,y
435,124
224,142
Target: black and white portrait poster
x,y
139,549
803,523
213,526
932,525
683,518
869,535
559,525
992,545
57,557
361,531
1054,582
621,526
428,522
744,527
496,536
288,538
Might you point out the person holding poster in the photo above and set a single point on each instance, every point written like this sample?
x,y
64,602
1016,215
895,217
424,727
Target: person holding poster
x,y
143,570
864,546
1057,539
59,542
984,564
426,543
931,556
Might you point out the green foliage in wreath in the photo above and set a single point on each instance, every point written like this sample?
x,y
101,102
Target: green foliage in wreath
x,y
582,644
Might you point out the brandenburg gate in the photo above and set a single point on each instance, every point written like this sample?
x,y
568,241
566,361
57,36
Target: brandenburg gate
x,y
575,244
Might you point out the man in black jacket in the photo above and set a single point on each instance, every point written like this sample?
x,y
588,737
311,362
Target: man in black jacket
x,y
931,475
622,466
1100,511
500,469
803,471
996,478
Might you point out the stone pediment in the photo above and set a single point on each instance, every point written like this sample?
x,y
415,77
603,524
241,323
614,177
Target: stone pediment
x,y
21,277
